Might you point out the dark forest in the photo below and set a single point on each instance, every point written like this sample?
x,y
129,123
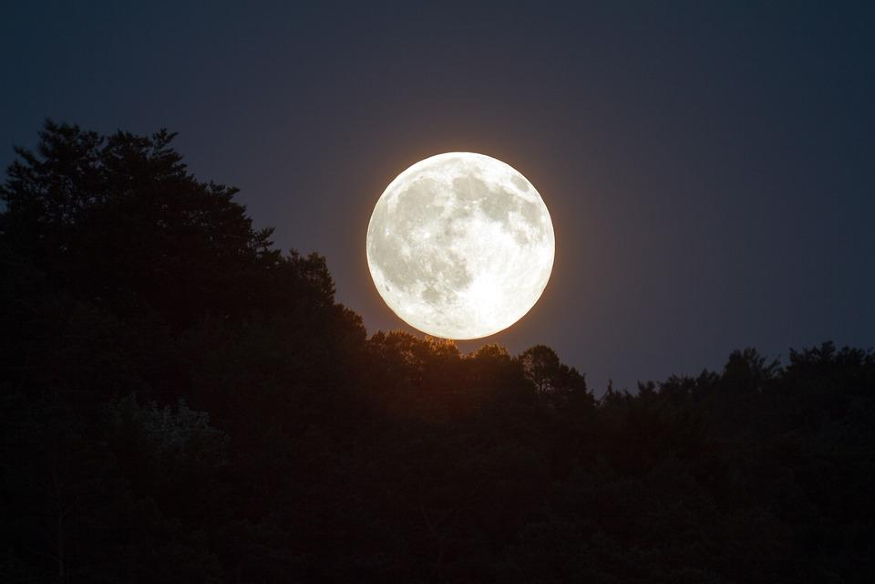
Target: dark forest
x,y
180,401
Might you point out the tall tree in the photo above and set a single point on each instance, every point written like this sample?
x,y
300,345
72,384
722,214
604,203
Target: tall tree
x,y
120,222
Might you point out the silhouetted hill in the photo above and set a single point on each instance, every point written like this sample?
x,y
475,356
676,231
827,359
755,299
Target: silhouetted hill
x,y
182,402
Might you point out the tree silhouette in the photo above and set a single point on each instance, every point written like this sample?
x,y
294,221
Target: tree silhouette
x,y
180,401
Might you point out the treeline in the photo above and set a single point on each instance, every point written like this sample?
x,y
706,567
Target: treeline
x,y
182,402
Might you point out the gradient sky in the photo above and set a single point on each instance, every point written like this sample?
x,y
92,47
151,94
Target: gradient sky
x,y
710,167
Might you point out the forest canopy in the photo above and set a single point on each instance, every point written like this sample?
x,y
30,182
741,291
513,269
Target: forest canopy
x,y
182,401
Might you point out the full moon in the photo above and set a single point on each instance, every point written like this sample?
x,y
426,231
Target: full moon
x,y
460,245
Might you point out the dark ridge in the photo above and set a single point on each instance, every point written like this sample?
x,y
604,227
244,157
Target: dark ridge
x,y
180,401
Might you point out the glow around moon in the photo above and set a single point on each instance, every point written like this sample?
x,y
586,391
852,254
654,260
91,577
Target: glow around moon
x,y
460,245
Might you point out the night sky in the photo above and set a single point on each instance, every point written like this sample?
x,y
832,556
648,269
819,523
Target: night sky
x,y
710,168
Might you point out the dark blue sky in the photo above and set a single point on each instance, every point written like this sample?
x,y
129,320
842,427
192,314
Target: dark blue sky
x,y
710,167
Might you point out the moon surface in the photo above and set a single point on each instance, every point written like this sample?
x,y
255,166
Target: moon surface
x,y
460,245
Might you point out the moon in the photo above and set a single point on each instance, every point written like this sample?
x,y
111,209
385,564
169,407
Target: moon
x,y
460,245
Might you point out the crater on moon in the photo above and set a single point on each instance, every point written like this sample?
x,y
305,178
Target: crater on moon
x,y
460,245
